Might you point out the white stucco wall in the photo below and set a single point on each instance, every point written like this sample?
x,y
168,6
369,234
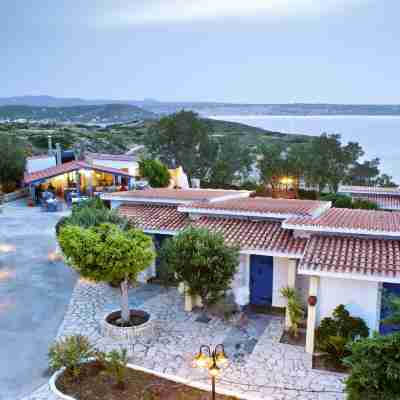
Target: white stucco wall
x,y
132,166
241,281
38,164
361,298
280,280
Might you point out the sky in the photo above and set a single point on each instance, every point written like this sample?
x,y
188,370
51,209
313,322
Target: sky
x,y
246,51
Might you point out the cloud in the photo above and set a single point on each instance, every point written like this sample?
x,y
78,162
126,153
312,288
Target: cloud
x,y
181,11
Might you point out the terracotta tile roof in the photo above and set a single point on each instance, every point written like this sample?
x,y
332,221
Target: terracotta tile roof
x,y
112,157
255,235
352,255
342,220
154,218
249,235
69,167
260,206
383,201
370,190
174,196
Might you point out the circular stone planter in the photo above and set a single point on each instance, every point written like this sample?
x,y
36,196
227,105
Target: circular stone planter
x,y
108,329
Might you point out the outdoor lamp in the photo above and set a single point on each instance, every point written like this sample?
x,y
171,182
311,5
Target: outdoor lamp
x,y
220,356
204,357
213,360
214,371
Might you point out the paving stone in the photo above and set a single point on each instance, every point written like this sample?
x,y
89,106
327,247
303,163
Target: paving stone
x,y
259,365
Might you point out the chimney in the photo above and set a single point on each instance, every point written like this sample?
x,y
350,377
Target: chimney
x,y
195,183
58,154
50,145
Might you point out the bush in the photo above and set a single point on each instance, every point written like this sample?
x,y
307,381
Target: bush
x,y
338,200
343,201
375,368
364,204
308,194
93,213
202,260
334,334
115,363
295,309
155,172
70,353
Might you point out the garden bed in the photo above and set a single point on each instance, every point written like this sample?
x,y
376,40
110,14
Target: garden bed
x,y
137,318
324,363
95,384
300,340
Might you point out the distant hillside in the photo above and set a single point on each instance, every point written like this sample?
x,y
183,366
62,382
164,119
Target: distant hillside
x,y
121,137
85,114
251,135
214,108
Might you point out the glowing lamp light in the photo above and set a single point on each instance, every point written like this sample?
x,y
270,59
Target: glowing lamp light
x,y
202,360
221,358
214,371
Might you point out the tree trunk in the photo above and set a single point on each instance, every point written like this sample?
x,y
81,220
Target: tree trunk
x,y
125,314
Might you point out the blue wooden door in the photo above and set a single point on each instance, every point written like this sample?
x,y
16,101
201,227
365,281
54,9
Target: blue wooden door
x,y
261,278
158,243
389,289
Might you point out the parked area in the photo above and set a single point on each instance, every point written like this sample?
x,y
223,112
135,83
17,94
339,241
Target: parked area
x,y
35,290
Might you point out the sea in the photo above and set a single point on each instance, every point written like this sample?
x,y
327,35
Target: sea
x,y
379,136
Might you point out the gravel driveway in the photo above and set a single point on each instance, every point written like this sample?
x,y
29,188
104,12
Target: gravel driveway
x,y
34,295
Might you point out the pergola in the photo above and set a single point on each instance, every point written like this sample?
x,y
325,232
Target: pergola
x,y
84,175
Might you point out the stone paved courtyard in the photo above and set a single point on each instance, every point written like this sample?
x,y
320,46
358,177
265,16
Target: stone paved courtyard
x,y
260,366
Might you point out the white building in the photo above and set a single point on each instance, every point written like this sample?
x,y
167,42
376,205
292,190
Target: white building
x,y
332,256
39,163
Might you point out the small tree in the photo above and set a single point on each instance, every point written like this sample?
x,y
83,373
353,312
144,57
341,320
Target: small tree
x,y
201,259
108,253
295,309
155,172
12,161
375,368
334,334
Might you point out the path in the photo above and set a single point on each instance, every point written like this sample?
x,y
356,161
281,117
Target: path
x,y
34,295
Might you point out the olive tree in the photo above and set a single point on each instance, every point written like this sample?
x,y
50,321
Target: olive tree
x,y
107,253
201,259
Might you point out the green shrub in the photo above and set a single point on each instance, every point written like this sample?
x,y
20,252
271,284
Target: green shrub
x,y
94,202
70,353
115,363
375,368
93,213
334,334
364,204
308,194
202,260
155,172
295,309
338,200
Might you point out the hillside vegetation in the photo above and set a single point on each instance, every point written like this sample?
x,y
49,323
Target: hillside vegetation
x,y
119,138
101,114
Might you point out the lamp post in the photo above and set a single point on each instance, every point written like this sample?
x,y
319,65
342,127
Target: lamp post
x,y
212,360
